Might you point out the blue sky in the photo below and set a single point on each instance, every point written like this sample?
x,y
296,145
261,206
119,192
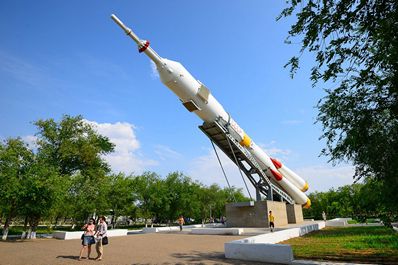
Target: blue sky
x,y
69,57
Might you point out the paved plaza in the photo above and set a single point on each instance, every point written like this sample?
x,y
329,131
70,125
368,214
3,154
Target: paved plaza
x,y
159,248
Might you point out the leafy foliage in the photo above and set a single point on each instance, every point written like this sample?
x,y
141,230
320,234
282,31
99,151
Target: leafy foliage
x,y
67,177
356,48
358,201
73,145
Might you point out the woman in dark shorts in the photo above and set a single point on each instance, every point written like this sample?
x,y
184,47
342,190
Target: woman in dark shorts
x,y
88,238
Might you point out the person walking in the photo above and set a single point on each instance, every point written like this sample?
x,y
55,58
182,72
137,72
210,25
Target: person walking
x,y
87,238
271,220
181,222
102,228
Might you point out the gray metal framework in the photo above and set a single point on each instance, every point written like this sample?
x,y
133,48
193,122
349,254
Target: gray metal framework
x,y
218,133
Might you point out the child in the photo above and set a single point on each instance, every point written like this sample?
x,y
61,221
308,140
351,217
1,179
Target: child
x,y
271,220
181,222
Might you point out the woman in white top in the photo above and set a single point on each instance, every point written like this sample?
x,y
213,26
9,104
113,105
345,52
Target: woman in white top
x,y
102,228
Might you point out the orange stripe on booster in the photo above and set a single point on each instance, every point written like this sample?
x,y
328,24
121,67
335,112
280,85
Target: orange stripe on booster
x,y
278,176
305,188
307,204
276,163
246,141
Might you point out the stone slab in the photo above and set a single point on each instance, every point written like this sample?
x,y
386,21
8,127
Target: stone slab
x,y
270,253
338,222
77,235
217,231
264,248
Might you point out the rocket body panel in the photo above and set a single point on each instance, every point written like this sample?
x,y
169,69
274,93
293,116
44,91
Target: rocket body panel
x,y
266,164
290,175
265,160
297,195
153,55
293,177
178,79
185,86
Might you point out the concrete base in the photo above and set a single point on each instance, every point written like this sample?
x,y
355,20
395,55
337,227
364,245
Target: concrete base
x,y
263,247
239,215
177,228
77,235
217,231
338,222
294,213
269,253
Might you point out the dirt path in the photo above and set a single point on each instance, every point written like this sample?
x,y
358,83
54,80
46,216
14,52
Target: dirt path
x,y
132,249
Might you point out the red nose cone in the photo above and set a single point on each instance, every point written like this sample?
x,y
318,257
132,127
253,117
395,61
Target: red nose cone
x,y
276,163
278,176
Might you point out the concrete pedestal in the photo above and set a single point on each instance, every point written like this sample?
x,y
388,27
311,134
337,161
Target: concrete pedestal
x,y
255,214
294,213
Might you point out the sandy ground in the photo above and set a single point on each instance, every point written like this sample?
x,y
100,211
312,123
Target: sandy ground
x,y
160,248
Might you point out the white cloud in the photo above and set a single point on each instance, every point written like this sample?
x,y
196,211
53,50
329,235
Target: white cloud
x,y
207,170
154,73
31,141
23,71
126,157
273,151
325,177
166,153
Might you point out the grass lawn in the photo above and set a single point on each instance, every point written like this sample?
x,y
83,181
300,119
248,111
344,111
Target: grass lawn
x,y
370,244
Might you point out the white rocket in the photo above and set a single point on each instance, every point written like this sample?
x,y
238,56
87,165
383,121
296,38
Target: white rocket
x,y
197,98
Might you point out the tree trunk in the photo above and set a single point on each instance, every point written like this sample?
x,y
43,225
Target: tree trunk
x,y
56,222
115,222
6,227
33,228
25,228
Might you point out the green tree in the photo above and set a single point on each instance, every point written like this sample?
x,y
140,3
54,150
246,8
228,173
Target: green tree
x,y
150,194
86,196
73,145
15,161
120,195
42,191
356,48
75,149
180,196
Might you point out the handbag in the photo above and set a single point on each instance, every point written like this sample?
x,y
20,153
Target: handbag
x,y
82,237
105,240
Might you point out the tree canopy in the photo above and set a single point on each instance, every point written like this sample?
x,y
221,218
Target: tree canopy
x,y
67,177
356,52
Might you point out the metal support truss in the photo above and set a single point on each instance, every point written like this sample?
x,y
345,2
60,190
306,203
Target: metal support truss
x,y
218,133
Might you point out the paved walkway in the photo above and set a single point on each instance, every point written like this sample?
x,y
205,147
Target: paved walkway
x,y
139,249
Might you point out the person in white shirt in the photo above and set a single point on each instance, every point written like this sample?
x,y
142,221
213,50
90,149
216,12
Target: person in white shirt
x,y
102,228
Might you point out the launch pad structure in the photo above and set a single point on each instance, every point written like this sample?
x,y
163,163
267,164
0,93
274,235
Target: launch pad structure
x,y
218,133
252,214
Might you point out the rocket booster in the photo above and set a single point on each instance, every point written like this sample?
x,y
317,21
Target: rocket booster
x,y
197,98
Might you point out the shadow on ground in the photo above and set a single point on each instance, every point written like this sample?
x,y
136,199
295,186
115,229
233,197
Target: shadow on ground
x,y
196,257
68,257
